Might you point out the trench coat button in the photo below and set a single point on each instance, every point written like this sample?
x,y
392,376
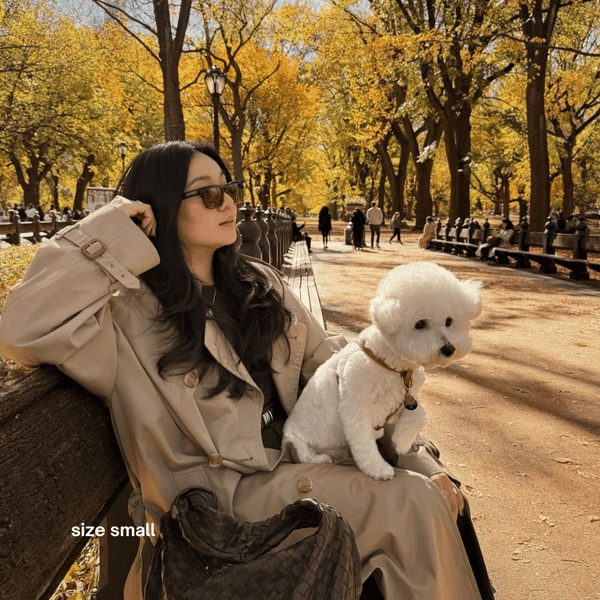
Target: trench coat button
x,y
215,460
191,379
305,484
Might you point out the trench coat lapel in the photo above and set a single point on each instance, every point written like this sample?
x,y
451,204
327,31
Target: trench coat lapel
x,y
223,352
286,375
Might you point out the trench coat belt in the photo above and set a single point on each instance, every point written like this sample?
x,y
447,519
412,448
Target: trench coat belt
x,y
94,249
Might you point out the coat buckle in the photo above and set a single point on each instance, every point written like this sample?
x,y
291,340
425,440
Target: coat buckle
x,y
93,249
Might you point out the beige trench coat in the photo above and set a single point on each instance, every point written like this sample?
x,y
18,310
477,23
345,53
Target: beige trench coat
x,y
81,307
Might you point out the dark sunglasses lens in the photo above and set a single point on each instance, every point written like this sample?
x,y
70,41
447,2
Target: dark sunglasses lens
x,y
234,191
212,196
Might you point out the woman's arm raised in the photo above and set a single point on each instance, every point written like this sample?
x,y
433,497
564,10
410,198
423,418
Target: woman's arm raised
x,y
59,313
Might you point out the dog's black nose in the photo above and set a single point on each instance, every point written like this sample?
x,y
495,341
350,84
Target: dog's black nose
x,y
447,350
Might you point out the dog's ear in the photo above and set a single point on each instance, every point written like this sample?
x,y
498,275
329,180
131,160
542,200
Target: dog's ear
x,y
386,313
472,290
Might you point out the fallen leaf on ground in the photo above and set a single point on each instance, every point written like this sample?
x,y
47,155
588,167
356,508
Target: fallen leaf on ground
x,y
548,521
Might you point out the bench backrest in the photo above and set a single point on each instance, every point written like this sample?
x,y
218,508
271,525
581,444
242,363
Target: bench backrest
x,y
563,241
60,466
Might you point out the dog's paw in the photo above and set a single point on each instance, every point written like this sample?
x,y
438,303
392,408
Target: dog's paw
x,y
381,473
301,452
321,458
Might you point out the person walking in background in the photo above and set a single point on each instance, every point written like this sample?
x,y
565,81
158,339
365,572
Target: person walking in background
x,y
395,227
358,228
325,225
375,219
428,234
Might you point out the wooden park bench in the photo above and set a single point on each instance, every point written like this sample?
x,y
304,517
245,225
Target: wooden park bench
x,y
461,240
577,264
34,231
60,466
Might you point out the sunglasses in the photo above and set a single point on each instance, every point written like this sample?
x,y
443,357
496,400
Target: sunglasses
x,y
213,196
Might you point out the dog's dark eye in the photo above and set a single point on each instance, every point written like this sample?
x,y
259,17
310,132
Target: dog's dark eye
x,y
448,321
420,324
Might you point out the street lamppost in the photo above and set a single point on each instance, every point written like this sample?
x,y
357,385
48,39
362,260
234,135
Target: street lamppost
x,y
122,147
215,82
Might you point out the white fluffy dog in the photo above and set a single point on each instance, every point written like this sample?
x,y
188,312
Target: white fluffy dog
x,y
421,315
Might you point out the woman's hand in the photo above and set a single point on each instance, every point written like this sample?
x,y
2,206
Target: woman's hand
x,y
139,211
451,493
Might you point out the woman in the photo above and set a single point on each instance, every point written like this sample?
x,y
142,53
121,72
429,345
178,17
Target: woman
x,y
501,239
298,236
395,225
325,225
428,234
199,354
358,221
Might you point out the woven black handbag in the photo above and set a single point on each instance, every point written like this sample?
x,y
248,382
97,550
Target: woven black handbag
x,y
205,554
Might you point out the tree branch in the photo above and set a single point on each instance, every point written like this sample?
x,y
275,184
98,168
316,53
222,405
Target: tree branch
x,y
102,4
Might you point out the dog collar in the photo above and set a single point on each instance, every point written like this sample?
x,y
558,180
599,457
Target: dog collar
x,y
410,402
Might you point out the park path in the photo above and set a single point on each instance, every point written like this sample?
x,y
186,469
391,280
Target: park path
x,y
517,420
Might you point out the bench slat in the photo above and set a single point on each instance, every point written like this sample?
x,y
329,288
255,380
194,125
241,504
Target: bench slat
x,y
300,277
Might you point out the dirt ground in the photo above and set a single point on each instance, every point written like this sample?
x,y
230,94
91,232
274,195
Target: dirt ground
x,y
517,420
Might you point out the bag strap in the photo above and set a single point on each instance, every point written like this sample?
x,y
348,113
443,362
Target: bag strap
x,y
217,534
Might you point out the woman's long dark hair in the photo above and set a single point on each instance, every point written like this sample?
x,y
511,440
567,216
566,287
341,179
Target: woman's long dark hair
x,y
255,314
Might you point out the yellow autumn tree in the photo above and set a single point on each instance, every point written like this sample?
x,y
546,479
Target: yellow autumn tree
x,y
61,110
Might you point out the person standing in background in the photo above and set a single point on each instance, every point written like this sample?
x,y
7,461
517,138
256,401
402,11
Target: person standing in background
x,y
375,219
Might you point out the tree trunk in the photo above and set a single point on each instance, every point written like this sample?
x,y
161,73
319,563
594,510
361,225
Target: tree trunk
x,y
457,143
31,194
566,167
55,195
503,191
449,125
402,166
84,179
422,195
387,171
537,34
424,202
463,147
236,153
381,190
29,179
539,164
173,111
170,53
